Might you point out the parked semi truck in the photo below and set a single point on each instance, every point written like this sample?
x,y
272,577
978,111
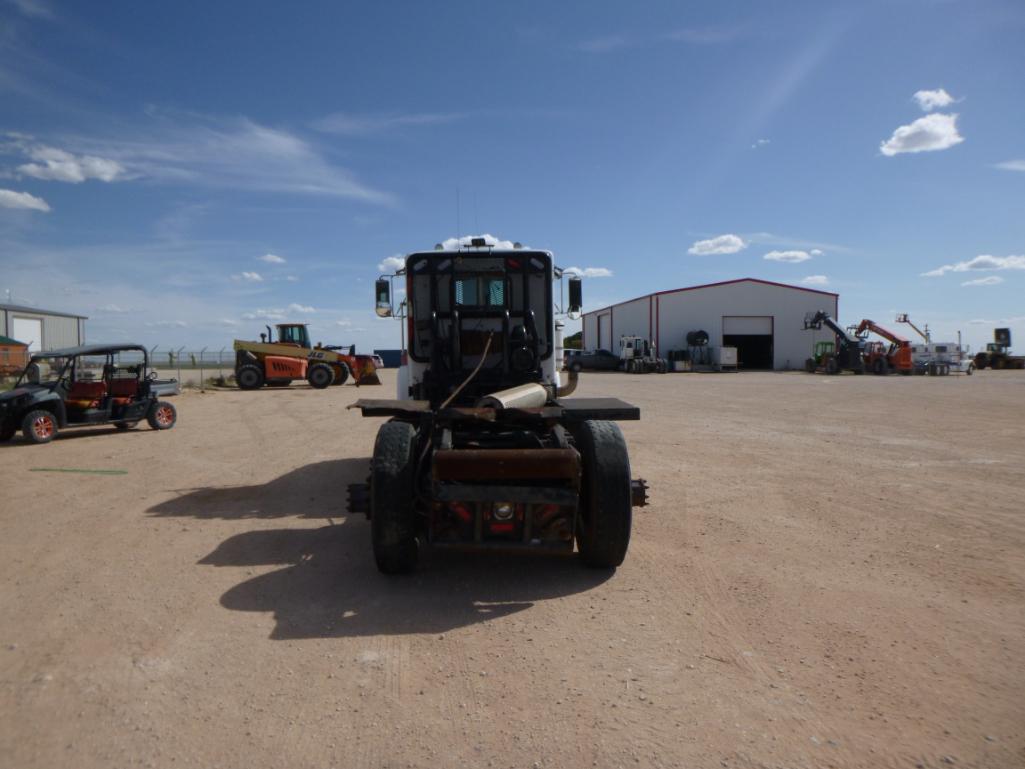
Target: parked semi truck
x,y
484,448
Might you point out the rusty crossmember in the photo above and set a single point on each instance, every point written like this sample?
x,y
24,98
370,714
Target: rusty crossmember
x,y
506,464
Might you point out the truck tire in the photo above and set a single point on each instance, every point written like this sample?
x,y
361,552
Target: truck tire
x,y
606,512
320,375
980,361
162,416
39,426
341,374
249,376
392,518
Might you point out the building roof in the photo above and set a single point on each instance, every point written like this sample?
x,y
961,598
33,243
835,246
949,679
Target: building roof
x,y
714,285
39,311
8,340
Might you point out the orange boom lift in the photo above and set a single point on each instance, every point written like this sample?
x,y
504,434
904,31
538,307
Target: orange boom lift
x,y
880,359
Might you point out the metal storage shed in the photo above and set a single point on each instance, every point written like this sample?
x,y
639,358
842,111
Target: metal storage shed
x,y
42,329
762,319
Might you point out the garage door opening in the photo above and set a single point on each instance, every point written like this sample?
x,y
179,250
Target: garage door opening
x,y
754,351
752,336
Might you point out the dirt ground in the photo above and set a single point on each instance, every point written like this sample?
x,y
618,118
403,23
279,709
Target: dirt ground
x,y
831,573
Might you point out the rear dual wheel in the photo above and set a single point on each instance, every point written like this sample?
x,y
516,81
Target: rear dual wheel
x,y
606,505
392,517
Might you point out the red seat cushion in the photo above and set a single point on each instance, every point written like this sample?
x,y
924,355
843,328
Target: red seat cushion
x,y
124,388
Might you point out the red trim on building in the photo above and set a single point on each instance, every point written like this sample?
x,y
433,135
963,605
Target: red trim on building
x,y
721,283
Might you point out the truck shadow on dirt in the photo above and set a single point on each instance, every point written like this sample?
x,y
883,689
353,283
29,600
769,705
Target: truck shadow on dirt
x,y
329,586
316,490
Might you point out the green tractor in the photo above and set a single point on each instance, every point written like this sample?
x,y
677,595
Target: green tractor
x,y
822,357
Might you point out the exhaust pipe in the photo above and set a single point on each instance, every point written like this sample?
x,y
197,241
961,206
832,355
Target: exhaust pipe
x,y
528,396
569,387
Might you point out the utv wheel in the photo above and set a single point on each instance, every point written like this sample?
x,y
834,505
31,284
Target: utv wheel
x,y
249,377
162,416
125,425
392,519
320,376
341,374
39,426
605,505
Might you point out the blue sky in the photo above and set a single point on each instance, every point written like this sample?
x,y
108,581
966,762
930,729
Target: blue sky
x,y
184,172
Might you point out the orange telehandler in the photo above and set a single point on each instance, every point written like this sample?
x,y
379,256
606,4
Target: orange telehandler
x,y
880,359
293,357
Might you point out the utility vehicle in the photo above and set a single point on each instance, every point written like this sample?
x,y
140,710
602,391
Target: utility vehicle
x,y
483,448
87,385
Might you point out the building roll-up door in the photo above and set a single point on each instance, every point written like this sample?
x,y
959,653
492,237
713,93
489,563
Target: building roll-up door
x,y
752,336
747,325
29,331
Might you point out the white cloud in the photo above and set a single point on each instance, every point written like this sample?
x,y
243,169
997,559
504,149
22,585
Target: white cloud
x,y
271,259
167,324
37,9
228,322
930,100
391,264
291,278
722,244
262,314
114,308
815,280
989,280
791,257
759,143
59,165
234,153
981,262
816,252
1012,165
927,134
12,199
350,124
251,277
589,272
454,244
344,323
303,309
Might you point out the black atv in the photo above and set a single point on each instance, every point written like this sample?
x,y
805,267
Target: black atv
x,y
86,385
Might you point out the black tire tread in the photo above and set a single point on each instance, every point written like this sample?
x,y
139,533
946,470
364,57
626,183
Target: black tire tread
x,y
151,415
392,518
607,503
253,367
27,430
312,373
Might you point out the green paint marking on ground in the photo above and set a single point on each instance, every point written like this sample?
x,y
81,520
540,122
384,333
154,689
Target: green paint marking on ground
x,y
76,470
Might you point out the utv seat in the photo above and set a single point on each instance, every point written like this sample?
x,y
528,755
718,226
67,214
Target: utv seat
x,y
86,395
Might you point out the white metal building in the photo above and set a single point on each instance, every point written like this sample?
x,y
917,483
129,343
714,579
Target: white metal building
x,y
762,319
41,329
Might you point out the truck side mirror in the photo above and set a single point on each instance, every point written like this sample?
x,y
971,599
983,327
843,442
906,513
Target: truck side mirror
x,y
576,297
382,289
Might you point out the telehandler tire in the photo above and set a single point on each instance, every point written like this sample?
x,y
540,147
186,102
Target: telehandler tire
x,y
320,375
606,512
392,518
341,374
249,376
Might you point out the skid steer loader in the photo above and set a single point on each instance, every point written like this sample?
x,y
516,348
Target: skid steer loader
x,y
483,448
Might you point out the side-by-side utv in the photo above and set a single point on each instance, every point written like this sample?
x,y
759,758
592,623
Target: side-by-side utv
x,y
482,448
88,385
